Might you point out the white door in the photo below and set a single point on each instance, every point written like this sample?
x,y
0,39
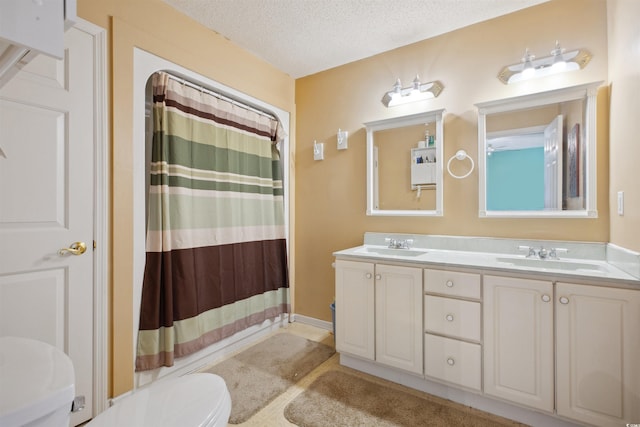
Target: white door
x,y
354,309
518,340
553,165
46,203
398,317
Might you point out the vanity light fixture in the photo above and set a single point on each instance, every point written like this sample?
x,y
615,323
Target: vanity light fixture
x,y
559,61
416,92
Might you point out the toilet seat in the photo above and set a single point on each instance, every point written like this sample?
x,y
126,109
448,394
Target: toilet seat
x,y
193,400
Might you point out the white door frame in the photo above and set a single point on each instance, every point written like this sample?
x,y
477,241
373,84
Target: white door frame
x,y
101,215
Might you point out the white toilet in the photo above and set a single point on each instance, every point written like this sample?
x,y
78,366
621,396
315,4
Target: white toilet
x,y
37,389
193,400
36,384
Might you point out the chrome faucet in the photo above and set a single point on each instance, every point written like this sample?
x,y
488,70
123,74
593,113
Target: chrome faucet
x,y
542,253
399,243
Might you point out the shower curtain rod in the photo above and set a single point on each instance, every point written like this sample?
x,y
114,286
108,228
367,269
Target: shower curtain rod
x,y
220,96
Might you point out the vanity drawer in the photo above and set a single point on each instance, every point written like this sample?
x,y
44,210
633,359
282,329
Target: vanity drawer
x,y
453,283
454,361
453,317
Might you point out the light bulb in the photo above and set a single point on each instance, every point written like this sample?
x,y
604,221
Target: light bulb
x,y
559,63
528,71
416,85
397,88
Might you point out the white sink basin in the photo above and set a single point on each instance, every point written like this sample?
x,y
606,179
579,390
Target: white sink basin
x,y
552,264
393,252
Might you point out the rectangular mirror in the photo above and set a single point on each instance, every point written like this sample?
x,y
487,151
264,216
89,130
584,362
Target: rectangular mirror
x,y
537,154
404,165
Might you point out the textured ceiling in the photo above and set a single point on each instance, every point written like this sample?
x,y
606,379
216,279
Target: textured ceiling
x,y
303,37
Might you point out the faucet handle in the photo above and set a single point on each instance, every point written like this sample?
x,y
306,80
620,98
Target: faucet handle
x,y
408,243
532,251
553,252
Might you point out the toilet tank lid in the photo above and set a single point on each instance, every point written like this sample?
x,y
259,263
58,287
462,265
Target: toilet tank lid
x,y
37,379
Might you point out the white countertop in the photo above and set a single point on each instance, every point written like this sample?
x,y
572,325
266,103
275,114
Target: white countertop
x,y
564,267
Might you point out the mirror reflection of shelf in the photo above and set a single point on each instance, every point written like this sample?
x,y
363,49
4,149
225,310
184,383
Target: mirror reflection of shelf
x,y
423,168
389,190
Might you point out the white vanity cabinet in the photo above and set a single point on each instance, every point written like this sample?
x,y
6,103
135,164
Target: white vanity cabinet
x,y
598,354
518,340
398,317
596,376
379,313
355,299
452,349
543,342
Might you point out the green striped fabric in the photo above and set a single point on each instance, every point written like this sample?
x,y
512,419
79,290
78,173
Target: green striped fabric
x,y
216,248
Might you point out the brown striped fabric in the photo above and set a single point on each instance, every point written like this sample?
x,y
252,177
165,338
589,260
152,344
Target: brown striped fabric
x,y
216,258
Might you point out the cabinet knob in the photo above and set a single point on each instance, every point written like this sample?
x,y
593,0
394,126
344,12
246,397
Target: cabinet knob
x,y
546,298
564,300
450,361
369,275
449,317
378,276
449,284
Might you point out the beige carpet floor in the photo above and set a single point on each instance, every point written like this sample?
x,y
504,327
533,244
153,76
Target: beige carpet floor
x,y
265,370
337,398
273,414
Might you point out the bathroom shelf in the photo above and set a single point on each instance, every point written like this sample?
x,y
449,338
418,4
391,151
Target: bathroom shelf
x,y
423,167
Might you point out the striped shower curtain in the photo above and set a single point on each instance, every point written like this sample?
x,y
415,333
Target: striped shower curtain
x,y
216,259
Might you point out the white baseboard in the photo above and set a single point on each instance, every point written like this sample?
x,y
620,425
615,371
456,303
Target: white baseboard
x,y
322,324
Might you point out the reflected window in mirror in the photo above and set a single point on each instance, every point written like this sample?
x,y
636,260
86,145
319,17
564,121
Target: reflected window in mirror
x,y
404,165
537,154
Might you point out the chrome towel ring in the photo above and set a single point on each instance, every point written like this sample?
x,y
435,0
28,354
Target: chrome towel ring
x,y
460,155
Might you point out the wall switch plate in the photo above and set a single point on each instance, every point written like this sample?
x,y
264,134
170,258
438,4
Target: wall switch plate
x,y
318,151
343,137
621,203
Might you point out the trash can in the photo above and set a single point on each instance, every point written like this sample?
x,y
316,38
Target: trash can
x,y
332,306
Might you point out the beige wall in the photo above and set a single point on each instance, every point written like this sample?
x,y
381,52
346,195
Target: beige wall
x,y
624,78
330,198
155,27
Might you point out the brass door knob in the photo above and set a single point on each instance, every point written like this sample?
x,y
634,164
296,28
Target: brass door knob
x,y
76,248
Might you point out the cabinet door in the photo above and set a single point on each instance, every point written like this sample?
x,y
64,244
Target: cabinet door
x,y
355,309
518,341
598,354
399,317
